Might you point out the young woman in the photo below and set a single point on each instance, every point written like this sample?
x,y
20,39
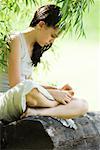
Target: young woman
x,y
20,95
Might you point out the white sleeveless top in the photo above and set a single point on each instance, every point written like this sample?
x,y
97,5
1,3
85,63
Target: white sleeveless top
x,y
26,66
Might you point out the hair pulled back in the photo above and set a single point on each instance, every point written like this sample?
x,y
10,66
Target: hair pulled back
x,y
51,15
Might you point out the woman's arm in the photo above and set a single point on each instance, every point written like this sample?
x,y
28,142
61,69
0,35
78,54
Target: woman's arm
x,y
60,96
49,87
66,87
14,61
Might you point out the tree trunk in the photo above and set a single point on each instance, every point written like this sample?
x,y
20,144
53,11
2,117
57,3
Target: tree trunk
x,y
47,133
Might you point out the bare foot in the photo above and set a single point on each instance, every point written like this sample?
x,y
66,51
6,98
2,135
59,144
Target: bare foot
x,y
29,112
71,92
66,87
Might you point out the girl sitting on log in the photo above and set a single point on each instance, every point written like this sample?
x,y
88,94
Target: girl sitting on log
x,y
20,95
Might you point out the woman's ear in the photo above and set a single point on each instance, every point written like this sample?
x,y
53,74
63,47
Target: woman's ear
x,y
41,24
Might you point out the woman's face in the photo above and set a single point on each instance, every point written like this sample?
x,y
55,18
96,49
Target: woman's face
x,y
46,35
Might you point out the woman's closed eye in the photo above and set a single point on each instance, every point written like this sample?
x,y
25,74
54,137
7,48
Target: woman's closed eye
x,y
54,36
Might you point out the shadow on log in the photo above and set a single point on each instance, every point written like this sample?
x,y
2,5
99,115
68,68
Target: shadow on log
x,y
47,133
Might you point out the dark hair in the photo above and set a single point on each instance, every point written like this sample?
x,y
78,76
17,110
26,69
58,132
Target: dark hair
x,y
51,15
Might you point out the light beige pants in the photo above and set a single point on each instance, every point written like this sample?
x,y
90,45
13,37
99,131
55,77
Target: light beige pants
x,y
13,102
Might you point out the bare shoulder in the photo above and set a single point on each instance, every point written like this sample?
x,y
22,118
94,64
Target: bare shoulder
x,y
14,42
14,45
14,38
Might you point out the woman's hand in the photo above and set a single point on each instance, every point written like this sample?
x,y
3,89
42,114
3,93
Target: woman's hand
x,y
61,96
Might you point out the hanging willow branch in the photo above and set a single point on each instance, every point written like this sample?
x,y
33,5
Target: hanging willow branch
x,y
8,8
73,11
72,20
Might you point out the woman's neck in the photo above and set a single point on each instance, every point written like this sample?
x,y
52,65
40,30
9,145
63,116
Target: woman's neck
x,y
30,37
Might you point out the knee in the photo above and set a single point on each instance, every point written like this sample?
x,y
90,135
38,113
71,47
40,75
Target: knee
x,y
34,91
31,98
83,105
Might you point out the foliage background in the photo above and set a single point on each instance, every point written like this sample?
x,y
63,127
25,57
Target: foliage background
x,y
74,61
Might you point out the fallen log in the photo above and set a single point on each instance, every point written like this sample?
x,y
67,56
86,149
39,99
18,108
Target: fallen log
x,y
47,133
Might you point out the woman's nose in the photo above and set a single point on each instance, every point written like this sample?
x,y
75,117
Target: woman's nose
x,y
51,40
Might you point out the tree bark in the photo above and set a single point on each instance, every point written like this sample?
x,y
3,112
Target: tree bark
x,y
47,133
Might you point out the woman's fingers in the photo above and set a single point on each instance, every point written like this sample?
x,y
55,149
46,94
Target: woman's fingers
x,y
68,95
68,99
64,102
65,99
